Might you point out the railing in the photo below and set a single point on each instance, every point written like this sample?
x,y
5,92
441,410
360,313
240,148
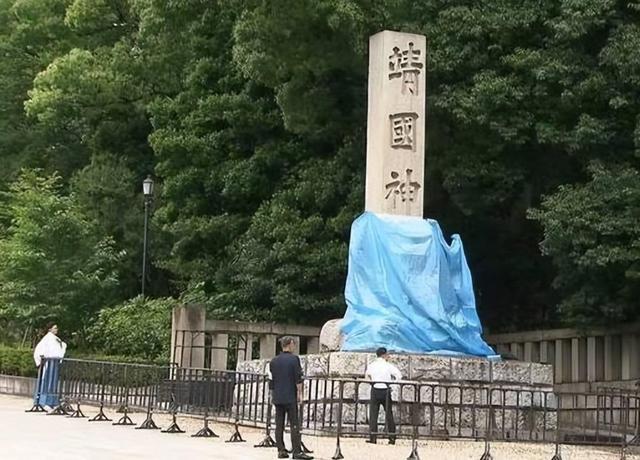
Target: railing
x,y
341,407
581,358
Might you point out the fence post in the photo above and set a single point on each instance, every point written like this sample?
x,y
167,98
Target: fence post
x,y
37,407
268,440
303,447
625,420
415,410
173,428
489,430
205,431
338,453
125,420
101,416
558,454
61,408
148,423
236,436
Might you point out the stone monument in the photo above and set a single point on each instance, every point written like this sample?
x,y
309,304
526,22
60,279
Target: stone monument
x,y
396,136
396,124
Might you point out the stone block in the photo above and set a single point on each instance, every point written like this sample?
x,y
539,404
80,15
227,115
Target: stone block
x,y
429,394
316,365
463,395
331,337
470,369
430,368
348,364
256,366
511,372
402,362
541,374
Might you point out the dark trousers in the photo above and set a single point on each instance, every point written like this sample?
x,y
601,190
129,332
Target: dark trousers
x,y
291,410
381,397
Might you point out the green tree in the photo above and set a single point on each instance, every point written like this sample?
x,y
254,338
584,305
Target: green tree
x,y
252,116
31,33
53,263
591,231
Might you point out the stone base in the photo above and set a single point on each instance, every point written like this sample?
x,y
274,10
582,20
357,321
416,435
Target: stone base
x,y
420,367
452,395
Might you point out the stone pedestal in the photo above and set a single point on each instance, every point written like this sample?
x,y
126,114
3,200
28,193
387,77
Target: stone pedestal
x,y
438,390
422,368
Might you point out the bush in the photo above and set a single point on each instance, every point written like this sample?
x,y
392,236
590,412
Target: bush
x,y
139,329
17,361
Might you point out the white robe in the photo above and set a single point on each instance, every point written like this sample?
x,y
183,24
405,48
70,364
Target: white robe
x,y
50,347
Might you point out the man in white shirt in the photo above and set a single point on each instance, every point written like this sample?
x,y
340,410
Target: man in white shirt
x,y
52,349
381,372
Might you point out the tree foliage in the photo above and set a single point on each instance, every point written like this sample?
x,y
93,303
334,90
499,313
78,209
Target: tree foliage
x,y
54,265
592,233
251,115
138,327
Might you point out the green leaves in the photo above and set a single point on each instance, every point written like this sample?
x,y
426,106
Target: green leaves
x,y
139,327
251,116
592,233
53,262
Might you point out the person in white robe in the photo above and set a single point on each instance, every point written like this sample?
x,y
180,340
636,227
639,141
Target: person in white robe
x,y
47,356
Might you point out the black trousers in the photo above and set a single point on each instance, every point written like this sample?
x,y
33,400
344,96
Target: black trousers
x,y
291,410
381,397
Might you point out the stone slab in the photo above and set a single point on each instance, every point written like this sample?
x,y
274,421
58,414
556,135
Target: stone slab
x,y
330,336
423,368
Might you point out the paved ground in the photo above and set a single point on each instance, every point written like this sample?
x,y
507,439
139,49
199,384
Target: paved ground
x,y
26,436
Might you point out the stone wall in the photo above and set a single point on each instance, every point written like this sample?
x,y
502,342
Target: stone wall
x,y
420,368
445,396
19,386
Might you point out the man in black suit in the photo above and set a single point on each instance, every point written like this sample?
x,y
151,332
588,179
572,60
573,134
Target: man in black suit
x,y
286,388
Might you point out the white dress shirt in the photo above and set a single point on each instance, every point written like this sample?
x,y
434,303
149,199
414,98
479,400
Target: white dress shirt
x,y
382,371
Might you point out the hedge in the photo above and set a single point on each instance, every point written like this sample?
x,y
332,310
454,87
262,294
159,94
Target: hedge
x,y
19,361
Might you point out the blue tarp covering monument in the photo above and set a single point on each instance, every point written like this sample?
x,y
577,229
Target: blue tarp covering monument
x,y
409,290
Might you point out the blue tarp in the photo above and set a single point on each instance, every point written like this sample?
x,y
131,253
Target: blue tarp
x,y
409,290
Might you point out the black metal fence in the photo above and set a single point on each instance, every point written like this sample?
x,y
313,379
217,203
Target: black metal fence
x,y
341,407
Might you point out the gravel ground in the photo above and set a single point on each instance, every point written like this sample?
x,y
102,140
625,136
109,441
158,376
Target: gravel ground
x,y
26,436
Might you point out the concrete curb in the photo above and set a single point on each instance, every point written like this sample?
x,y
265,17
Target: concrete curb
x,y
19,386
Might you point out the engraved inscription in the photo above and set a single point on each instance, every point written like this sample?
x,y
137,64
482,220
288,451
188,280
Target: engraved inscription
x,y
404,189
406,64
403,130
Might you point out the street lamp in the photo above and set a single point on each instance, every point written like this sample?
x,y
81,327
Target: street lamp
x,y
147,191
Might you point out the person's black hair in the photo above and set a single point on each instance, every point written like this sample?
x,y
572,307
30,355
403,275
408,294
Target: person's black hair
x,y
286,340
50,324
381,351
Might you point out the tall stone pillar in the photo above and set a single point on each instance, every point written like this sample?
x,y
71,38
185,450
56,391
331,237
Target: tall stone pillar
x,y
532,352
562,363
516,350
630,357
219,351
591,360
396,124
545,352
578,360
559,365
267,346
248,348
612,358
187,336
313,345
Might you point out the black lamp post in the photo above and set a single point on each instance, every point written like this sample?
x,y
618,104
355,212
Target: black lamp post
x,y
147,190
